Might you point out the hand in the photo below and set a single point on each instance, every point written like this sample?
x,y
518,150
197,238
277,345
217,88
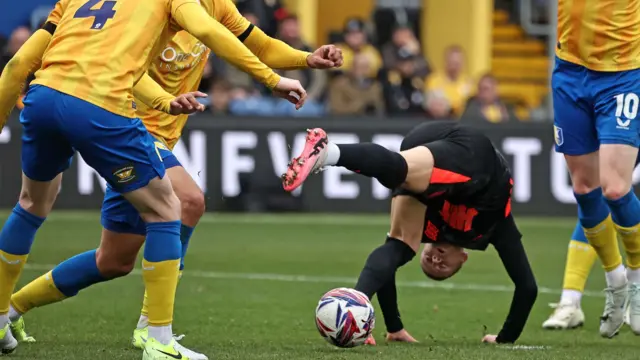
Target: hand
x,y
370,341
401,336
326,57
292,91
490,339
187,103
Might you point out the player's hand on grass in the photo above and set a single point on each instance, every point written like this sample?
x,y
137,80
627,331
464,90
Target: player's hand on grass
x,y
187,103
401,336
370,341
490,339
326,57
292,91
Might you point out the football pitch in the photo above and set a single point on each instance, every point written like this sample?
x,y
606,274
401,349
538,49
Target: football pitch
x,y
252,282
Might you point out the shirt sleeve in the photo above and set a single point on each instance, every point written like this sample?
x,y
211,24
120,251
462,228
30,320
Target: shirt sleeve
x,y
56,14
17,70
227,13
152,94
514,258
196,21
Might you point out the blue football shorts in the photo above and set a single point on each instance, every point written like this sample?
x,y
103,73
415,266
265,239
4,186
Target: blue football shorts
x,y
55,125
118,215
594,107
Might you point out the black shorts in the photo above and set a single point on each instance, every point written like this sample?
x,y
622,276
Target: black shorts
x,y
466,164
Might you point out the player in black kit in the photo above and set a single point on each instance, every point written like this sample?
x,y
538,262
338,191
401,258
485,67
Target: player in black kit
x,y
452,191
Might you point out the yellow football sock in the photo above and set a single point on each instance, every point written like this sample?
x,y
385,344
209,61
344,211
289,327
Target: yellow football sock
x,y
145,300
40,292
580,259
604,241
160,280
10,270
630,237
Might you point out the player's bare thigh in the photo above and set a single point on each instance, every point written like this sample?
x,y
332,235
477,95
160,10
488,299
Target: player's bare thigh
x,y
116,256
190,195
407,220
585,172
617,162
419,168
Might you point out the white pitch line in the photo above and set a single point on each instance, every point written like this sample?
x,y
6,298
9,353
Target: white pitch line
x,y
335,280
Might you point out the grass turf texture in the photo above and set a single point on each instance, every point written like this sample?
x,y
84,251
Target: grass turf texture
x,y
252,282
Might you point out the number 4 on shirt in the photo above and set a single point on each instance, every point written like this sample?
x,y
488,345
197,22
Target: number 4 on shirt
x,y
100,15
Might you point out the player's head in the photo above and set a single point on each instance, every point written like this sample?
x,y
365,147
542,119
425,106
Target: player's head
x,y
442,261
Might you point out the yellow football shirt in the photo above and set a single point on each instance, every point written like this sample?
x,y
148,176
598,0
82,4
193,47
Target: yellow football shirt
x,y
601,35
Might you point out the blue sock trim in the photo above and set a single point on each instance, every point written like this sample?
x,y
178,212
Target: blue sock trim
x,y
77,273
19,231
578,234
626,210
592,208
163,241
185,235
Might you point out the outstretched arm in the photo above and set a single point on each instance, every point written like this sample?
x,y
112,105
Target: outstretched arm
x,y
513,256
153,95
195,20
275,53
23,63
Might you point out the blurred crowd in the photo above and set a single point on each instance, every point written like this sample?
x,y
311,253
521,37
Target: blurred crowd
x,y
392,79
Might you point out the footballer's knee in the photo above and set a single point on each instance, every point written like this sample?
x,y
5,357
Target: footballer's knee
x,y
193,207
585,172
156,202
419,168
615,190
111,266
38,197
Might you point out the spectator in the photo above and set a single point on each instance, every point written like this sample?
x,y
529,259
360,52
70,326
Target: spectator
x,y
438,108
486,105
403,37
265,12
452,83
355,93
357,42
403,88
18,37
220,96
315,81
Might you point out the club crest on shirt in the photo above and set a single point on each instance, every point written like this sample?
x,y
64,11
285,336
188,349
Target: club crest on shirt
x,y
125,174
557,134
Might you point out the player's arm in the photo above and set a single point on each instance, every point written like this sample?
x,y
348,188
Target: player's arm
x,y
17,70
275,53
154,96
194,19
515,261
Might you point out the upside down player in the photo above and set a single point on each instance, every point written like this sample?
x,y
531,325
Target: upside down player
x,y
179,69
596,88
82,100
452,191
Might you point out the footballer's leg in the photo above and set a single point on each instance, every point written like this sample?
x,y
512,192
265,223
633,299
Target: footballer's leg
x,y
619,135
45,154
576,137
193,207
124,154
410,168
568,313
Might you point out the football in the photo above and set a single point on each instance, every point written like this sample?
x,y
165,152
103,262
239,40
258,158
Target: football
x,y
345,317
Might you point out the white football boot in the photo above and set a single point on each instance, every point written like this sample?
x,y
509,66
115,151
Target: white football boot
x,y
566,316
8,343
615,307
632,317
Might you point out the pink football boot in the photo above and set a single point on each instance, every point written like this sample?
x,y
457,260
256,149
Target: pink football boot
x,y
309,162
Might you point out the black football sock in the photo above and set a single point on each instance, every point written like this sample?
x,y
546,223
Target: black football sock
x,y
374,161
388,300
382,264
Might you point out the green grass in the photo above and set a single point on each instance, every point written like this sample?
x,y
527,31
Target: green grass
x,y
244,295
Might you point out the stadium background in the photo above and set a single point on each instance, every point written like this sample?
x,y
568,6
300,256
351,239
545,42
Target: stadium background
x,y
481,62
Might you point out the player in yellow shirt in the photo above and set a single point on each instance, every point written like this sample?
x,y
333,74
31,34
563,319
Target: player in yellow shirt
x,y
596,89
82,100
178,68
